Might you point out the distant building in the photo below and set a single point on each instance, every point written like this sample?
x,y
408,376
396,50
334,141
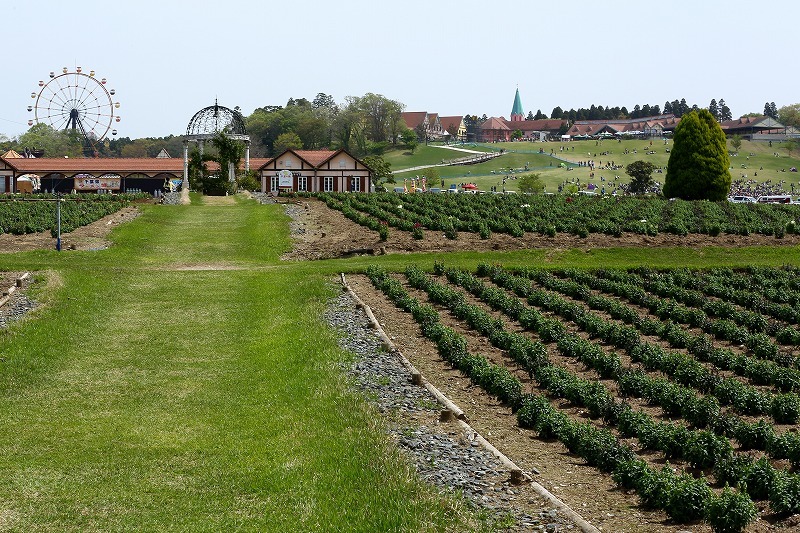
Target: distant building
x,y
498,129
517,114
315,171
455,128
760,128
654,126
426,125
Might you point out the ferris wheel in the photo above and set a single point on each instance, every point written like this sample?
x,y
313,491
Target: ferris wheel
x,y
77,102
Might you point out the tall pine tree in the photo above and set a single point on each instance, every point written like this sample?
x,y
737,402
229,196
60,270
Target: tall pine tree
x,y
724,111
713,109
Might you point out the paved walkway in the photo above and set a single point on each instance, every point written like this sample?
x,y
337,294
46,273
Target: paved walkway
x,y
448,147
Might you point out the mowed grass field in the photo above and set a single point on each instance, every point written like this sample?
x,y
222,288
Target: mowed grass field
x,y
756,160
183,380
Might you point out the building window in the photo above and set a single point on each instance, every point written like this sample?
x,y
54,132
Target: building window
x,y
327,184
355,183
287,163
273,183
342,163
302,183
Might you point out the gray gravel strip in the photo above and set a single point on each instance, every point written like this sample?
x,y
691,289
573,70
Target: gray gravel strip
x,y
451,464
17,305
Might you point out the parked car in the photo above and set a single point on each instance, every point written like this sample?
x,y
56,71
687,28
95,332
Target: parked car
x,y
742,199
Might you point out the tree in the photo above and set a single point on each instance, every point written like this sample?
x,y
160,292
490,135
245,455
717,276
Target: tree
x,y
516,134
714,109
530,184
773,111
791,145
264,125
667,107
641,175
530,116
54,143
379,113
137,148
381,169
698,163
346,124
736,142
539,115
557,112
199,178
790,115
324,101
409,139
724,111
229,155
286,141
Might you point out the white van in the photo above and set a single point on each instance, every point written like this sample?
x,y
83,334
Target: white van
x,y
742,199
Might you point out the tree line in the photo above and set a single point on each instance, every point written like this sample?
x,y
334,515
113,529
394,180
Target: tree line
x,y
719,110
364,125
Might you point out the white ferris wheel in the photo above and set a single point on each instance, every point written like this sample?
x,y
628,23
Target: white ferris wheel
x,y
78,102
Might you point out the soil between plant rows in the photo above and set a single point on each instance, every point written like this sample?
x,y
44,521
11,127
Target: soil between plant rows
x,y
323,233
592,494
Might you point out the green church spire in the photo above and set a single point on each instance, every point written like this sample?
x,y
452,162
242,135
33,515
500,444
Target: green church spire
x,y
517,111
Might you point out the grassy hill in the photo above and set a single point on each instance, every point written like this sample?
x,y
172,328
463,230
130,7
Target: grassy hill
x,y
755,160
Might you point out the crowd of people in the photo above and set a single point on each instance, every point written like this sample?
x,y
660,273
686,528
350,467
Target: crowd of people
x,y
753,188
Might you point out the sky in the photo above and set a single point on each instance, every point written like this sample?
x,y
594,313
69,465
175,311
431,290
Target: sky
x,y
169,59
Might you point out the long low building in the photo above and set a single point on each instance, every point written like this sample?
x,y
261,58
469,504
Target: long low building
x,y
293,170
315,171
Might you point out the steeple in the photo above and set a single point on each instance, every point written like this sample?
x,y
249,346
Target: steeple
x,y
516,112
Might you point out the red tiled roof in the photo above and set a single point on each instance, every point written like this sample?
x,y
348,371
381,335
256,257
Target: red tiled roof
x,y
544,124
315,157
494,123
451,124
413,118
145,165
107,164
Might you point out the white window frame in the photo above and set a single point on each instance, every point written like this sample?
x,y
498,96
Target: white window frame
x,y
355,183
327,183
273,183
302,183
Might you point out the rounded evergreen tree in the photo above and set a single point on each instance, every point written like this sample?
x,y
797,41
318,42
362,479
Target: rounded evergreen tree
x,y
698,166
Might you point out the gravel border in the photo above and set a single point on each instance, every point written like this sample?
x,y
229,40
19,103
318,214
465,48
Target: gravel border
x,y
17,305
449,462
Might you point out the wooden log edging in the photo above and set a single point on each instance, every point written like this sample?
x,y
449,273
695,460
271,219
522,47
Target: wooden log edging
x,y
452,410
6,296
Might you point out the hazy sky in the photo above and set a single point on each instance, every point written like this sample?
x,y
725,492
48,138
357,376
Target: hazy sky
x,y
168,59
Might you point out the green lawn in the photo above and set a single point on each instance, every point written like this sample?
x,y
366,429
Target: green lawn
x,y
517,154
170,383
